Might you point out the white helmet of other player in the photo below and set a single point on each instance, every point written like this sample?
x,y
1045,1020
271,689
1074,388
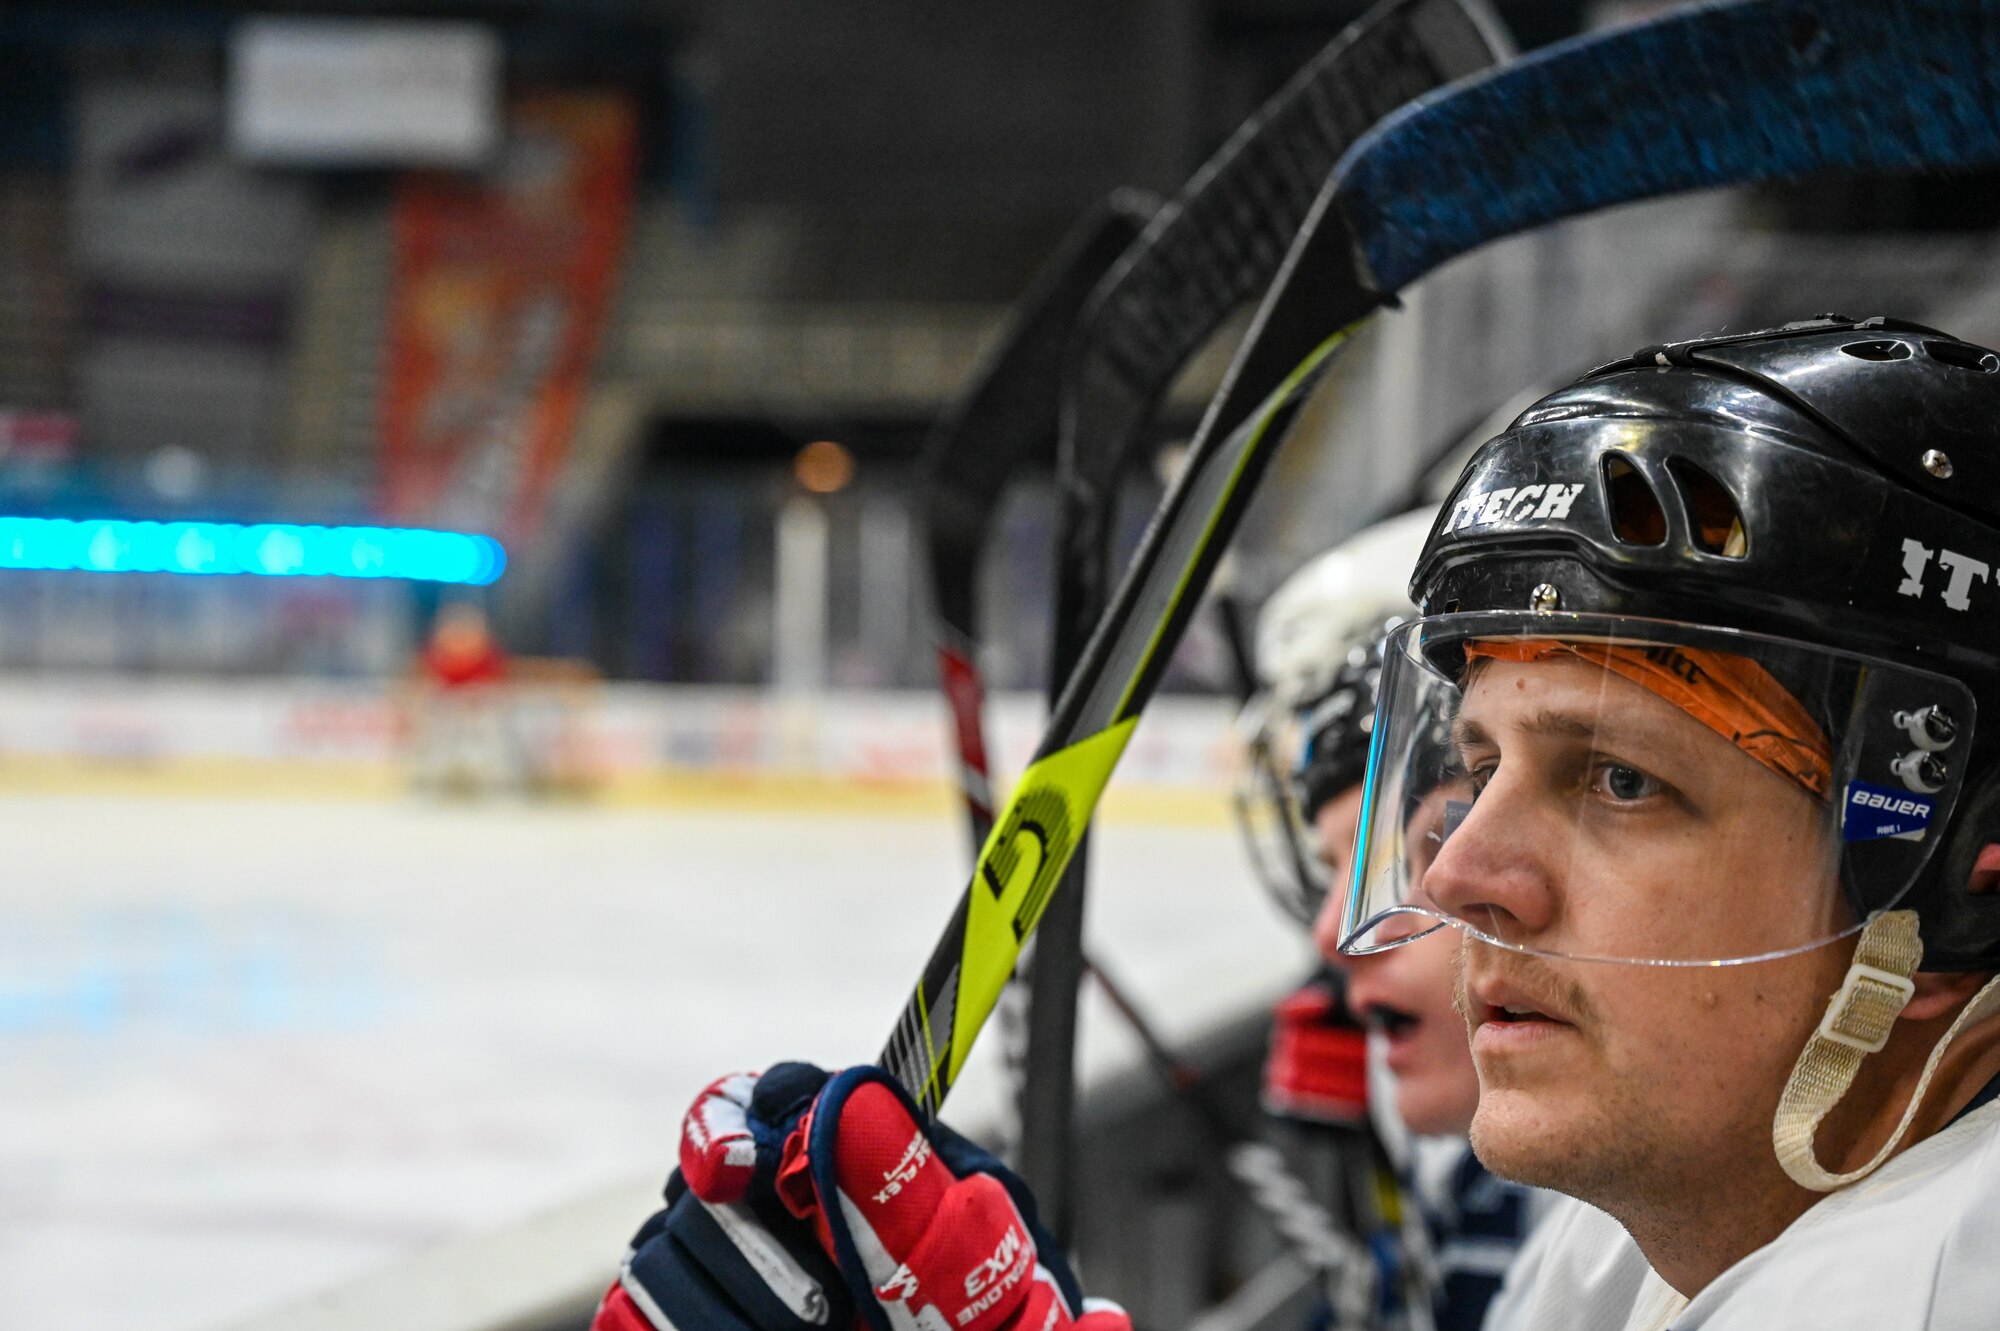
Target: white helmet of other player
x,y
1334,604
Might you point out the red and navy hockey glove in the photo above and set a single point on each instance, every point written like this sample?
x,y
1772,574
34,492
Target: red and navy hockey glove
x,y
1317,1070
780,1173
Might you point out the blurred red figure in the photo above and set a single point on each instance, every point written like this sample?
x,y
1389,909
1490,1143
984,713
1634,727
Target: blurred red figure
x,y
462,651
462,740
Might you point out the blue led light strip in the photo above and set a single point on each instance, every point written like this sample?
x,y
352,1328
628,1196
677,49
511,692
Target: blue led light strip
x,y
271,550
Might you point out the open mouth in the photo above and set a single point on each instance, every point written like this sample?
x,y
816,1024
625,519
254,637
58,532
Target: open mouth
x,y
1392,1022
1511,1018
1514,1015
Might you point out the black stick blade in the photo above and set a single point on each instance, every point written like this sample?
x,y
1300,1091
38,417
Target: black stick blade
x,y
1007,414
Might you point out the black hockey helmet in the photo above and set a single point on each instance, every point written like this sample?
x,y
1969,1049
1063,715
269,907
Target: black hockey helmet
x,y
1334,728
1831,483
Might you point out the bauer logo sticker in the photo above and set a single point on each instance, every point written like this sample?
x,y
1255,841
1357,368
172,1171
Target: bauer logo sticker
x,y
1872,813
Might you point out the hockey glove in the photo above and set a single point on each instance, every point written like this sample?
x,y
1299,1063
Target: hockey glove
x,y
1317,1071
806,1200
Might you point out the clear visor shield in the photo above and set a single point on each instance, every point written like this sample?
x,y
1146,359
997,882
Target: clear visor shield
x,y
1604,788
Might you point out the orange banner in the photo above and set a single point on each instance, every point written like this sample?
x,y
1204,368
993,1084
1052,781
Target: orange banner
x,y
500,292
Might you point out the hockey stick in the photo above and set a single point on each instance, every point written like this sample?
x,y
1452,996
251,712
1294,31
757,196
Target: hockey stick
x,y
1760,90
1007,418
1205,255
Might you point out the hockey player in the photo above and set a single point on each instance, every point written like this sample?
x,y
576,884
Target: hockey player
x,y
461,740
1720,828
1313,631
1319,653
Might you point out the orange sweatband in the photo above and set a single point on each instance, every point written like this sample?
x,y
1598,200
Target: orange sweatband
x,y
1731,695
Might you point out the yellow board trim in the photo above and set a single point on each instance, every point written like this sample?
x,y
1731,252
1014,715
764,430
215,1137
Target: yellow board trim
x,y
681,790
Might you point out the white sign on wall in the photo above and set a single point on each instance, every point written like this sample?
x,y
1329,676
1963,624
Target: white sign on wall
x,y
364,92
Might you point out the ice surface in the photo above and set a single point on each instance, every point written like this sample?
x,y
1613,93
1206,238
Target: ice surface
x,y
250,1049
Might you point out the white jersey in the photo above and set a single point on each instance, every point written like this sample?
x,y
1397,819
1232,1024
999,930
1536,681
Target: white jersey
x,y
1913,1247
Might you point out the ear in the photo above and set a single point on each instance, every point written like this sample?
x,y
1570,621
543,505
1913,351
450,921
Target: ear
x,y
1984,880
1940,993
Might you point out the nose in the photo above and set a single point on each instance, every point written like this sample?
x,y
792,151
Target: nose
x,y
1326,926
1495,868
1335,825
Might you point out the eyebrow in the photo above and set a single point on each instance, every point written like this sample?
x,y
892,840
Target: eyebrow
x,y
1467,734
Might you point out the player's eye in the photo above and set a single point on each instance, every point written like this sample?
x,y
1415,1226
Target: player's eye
x,y
1623,783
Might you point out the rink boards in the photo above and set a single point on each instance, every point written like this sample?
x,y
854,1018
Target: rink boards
x,y
852,751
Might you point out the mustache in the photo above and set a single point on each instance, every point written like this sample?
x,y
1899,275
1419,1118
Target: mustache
x,y
1530,974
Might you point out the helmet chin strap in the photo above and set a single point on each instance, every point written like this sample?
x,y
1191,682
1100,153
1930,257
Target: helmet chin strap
x,y
1857,1023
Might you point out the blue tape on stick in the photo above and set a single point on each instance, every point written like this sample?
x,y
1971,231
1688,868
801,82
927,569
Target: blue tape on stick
x,y
1708,95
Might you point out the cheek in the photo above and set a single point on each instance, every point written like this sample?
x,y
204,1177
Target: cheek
x,y
1649,896
1704,1034
1700,897
1652,1025
1751,880
1808,860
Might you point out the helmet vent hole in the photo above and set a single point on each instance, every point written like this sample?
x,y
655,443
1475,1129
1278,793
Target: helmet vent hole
x,y
1963,355
1885,348
1715,523
1636,515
